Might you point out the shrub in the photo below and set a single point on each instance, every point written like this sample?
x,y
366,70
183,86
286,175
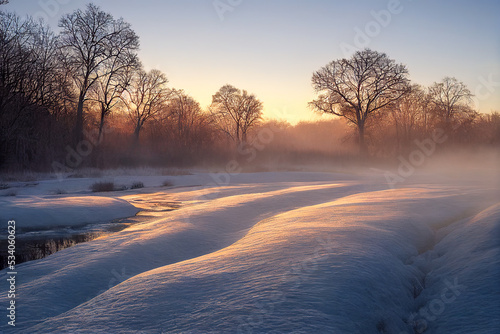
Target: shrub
x,y
102,187
137,185
167,183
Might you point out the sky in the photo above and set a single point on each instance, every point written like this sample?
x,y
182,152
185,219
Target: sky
x,y
272,47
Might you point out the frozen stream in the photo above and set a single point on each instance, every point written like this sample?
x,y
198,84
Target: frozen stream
x,y
34,243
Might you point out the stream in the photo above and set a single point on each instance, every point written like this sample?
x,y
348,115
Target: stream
x,y
37,243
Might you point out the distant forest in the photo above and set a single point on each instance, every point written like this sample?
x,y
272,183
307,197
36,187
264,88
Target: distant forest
x,y
81,98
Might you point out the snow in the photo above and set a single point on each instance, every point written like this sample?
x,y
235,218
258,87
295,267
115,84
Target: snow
x,y
51,211
475,264
271,252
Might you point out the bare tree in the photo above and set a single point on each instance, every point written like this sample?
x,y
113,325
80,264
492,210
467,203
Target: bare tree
x,y
22,46
145,97
357,87
237,112
16,84
410,114
450,97
91,40
185,114
32,89
118,70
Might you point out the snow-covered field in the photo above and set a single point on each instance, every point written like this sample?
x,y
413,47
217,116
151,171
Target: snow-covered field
x,y
276,252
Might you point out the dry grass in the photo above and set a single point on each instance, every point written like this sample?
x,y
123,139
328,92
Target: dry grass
x,y
175,172
102,187
167,183
137,185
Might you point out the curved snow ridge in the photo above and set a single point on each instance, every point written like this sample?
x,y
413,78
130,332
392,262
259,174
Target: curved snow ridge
x,y
230,216
461,293
72,276
339,267
51,211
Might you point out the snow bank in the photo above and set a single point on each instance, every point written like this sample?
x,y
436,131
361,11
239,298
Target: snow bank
x,y
298,256
463,294
47,212
208,224
342,266
123,179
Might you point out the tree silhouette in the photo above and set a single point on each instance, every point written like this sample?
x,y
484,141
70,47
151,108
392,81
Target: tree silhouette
x,y
410,114
237,112
110,86
357,87
145,97
91,41
450,97
33,89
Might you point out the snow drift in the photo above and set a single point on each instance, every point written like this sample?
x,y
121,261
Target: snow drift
x,y
52,211
251,257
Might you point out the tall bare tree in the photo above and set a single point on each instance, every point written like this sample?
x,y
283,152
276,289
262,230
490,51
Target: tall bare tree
x,y
145,98
357,87
451,97
91,41
117,75
32,88
237,112
185,114
410,115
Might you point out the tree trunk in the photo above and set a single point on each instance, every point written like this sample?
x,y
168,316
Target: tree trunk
x,y
398,136
238,139
101,125
137,132
363,149
78,132
244,137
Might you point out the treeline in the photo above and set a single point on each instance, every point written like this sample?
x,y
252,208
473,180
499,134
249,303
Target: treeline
x,y
82,98
444,107
374,93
